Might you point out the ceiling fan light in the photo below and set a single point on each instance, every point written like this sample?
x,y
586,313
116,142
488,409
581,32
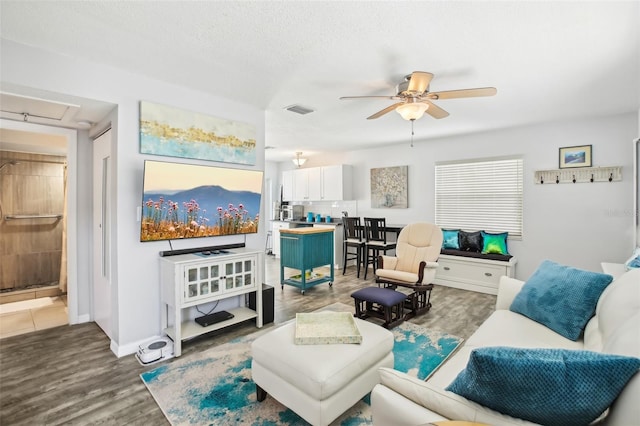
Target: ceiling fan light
x,y
412,111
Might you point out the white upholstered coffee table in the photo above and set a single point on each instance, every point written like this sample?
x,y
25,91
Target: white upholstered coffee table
x,y
319,382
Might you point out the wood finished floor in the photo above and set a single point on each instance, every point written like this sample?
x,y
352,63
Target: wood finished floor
x,y
68,375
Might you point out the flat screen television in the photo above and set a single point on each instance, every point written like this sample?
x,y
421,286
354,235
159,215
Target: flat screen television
x,y
192,201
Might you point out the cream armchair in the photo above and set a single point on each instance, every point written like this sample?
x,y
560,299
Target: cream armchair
x,y
414,266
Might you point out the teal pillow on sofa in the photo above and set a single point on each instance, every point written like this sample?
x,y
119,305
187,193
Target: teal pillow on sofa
x,y
545,386
450,239
561,297
494,243
634,260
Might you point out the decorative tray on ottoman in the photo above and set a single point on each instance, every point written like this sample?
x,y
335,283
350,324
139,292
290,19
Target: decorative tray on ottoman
x,y
318,328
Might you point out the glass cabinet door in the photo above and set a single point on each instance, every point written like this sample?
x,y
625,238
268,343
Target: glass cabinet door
x,y
192,284
215,279
203,281
206,280
248,273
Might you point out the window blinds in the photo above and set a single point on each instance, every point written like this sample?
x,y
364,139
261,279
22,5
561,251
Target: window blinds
x,y
480,195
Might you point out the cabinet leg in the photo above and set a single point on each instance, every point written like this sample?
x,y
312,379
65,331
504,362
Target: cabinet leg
x,y
261,394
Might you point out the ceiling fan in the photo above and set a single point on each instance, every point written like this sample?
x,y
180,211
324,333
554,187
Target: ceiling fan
x,y
415,98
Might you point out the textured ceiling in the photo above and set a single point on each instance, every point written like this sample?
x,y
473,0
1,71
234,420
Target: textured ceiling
x,y
549,60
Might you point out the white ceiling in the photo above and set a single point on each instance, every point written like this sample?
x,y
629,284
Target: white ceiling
x,y
549,60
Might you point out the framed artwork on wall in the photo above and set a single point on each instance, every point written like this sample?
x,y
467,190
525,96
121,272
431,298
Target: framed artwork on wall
x,y
575,156
389,187
174,132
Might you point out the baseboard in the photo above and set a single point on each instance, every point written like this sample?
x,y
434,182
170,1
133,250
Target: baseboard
x,y
83,318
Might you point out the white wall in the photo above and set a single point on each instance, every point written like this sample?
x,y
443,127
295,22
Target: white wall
x,y
135,281
576,224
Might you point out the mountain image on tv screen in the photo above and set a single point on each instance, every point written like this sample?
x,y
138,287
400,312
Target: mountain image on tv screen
x,y
191,201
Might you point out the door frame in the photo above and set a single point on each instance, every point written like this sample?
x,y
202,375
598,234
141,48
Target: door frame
x,y
72,205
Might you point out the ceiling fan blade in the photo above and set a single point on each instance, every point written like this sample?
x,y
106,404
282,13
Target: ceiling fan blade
x,y
464,93
419,82
434,110
369,97
384,111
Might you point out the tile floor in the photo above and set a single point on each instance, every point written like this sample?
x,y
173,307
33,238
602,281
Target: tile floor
x,y
31,315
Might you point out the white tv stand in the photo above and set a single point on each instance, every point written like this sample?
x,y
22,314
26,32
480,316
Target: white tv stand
x,y
188,280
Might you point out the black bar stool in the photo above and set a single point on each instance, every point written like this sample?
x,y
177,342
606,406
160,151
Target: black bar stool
x,y
375,233
352,240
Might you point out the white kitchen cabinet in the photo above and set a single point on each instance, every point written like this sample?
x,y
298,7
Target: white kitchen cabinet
x,y
336,183
191,279
276,226
300,188
327,183
307,184
287,185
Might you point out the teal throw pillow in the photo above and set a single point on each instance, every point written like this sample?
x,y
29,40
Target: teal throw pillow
x,y
546,386
560,297
450,239
634,260
494,243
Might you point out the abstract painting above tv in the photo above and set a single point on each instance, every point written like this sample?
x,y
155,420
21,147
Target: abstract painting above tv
x,y
174,132
191,201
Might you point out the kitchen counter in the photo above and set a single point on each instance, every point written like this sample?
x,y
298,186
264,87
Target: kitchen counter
x,y
305,230
305,223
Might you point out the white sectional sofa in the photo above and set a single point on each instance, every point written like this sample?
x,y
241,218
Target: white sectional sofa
x,y
615,329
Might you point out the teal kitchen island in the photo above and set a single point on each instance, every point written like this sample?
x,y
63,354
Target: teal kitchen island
x,y
305,249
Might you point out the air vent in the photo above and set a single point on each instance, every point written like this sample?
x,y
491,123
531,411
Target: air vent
x,y
299,109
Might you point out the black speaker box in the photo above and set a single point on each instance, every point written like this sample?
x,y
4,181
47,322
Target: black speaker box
x,y
267,303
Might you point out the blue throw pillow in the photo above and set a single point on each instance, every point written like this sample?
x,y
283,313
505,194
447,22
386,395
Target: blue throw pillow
x,y
450,239
634,260
494,243
561,297
545,386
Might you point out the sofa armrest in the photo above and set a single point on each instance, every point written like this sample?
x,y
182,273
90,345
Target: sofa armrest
x,y
431,265
507,291
442,402
390,408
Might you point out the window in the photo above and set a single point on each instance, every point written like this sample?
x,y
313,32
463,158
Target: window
x,y
484,194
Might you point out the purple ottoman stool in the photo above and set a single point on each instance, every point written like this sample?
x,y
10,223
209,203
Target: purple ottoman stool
x,y
381,303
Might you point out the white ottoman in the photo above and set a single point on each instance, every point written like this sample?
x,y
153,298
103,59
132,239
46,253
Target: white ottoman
x,y
319,382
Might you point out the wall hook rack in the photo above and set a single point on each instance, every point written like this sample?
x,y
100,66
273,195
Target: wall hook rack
x,y
581,175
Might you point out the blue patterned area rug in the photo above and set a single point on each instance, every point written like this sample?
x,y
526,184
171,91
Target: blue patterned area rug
x,y
214,387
